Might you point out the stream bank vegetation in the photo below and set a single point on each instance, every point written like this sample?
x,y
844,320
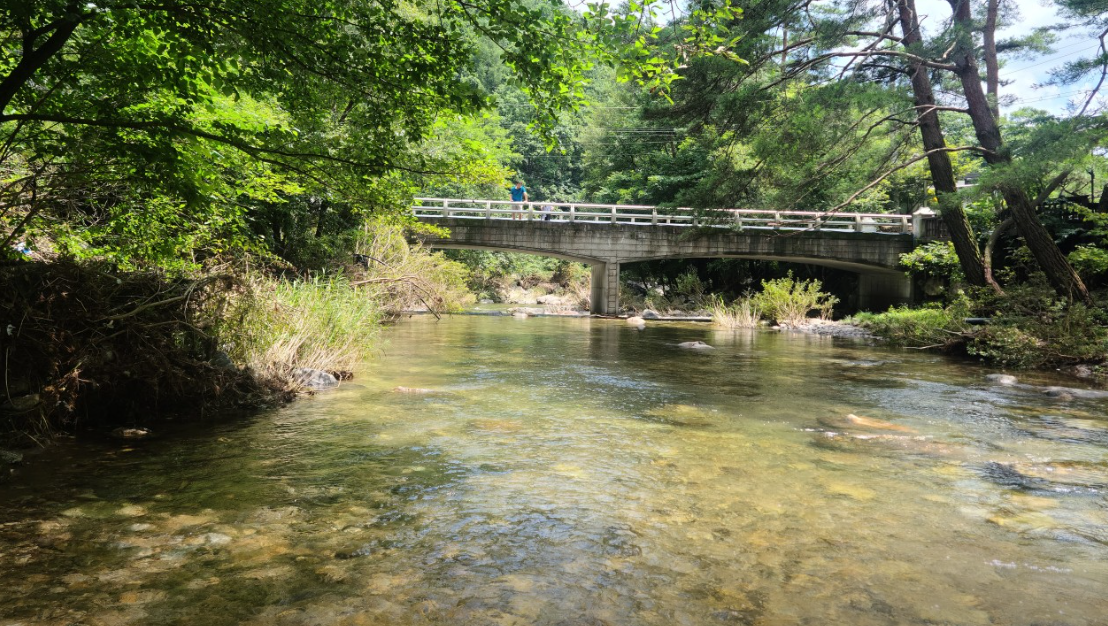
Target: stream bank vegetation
x,y
91,346
199,199
783,301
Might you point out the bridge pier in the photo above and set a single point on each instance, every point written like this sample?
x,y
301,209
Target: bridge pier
x,y
877,292
604,292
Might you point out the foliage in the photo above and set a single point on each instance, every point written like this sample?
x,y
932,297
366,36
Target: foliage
x,y
1091,262
508,276
176,120
403,278
936,259
788,301
1030,326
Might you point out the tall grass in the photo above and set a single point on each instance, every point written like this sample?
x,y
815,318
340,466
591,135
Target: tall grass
x,y
319,323
742,313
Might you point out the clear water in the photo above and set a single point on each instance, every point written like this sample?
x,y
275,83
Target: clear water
x,y
575,471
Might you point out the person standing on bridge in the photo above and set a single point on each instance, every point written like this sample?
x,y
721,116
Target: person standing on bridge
x,y
519,196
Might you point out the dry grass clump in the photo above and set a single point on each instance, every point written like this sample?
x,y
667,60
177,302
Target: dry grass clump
x,y
742,313
319,323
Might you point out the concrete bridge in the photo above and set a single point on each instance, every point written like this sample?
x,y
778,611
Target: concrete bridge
x,y
606,236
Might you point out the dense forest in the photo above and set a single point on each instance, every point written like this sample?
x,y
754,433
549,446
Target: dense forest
x,y
202,201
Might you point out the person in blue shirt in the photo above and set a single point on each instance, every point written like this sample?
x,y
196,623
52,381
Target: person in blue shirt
x,y
519,196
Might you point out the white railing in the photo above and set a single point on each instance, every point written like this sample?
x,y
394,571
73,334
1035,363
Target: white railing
x,y
654,216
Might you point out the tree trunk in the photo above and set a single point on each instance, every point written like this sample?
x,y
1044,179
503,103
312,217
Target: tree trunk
x,y
942,172
992,66
33,58
1051,260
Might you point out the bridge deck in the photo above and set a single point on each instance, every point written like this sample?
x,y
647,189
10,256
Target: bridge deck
x,y
641,215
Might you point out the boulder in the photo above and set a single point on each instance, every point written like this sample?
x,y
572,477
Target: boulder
x,y
651,314
316,380
1002,379
7,457
695,345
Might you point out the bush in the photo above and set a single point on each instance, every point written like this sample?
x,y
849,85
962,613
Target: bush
x,y
1090,262
1028,327
936,259
1008,346
788,301
915,327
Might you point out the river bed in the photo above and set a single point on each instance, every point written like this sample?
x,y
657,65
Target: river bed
x,y
582,472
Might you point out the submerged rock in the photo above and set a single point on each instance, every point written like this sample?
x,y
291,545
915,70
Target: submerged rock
x,y
416,390
1070,392
857,421
637,322
316,380
1002,379
694,345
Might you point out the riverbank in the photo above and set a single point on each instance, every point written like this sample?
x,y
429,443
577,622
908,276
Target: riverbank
x,y
85,347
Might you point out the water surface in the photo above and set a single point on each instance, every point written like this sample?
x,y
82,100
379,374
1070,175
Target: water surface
x,y
576,471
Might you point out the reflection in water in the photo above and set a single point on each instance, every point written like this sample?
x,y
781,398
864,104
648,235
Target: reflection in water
x,y
569,471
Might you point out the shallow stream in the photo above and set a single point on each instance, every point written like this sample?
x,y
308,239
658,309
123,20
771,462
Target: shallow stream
x,y
580,472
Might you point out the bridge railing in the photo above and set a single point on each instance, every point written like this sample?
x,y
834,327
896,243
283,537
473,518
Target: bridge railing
x,y
650,215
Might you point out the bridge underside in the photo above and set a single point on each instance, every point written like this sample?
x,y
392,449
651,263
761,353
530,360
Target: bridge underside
x,y
874,256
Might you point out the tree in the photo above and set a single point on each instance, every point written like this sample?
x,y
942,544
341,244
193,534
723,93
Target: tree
x,y
856,45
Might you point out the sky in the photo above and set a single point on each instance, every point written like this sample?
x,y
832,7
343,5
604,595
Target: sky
x,y
1027,76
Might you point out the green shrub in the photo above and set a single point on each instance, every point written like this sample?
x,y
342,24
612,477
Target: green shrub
x,y
1089,261
690,287
1008,346
788,301
403,277
914,327
936,259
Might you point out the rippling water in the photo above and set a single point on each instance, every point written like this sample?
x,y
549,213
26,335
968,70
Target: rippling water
x,y
575,471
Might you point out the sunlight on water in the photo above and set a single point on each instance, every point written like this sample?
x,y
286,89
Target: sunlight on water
x,y
575,471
